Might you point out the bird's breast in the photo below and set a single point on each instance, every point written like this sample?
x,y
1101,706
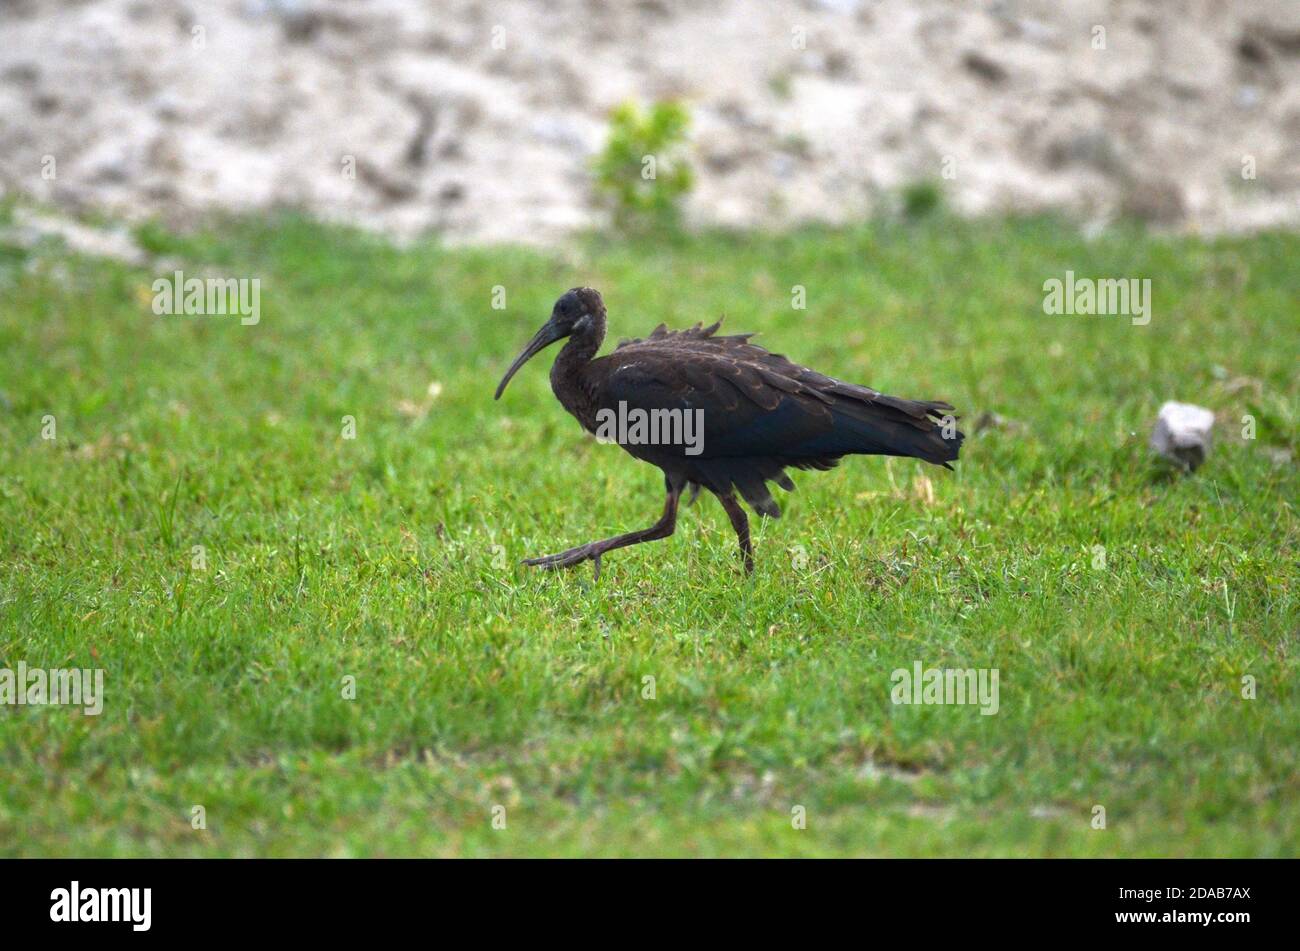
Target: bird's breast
x,y
577,403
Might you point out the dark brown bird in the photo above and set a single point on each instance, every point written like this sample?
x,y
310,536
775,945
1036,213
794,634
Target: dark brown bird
x,y
756,415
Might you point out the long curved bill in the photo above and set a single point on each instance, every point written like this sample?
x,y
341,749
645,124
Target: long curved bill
x,y
541,340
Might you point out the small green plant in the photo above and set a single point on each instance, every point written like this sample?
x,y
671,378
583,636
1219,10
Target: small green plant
x,y
642,172
922,198
781,85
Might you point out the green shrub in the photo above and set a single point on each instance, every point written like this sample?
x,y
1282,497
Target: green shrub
x,y
922,198
642,173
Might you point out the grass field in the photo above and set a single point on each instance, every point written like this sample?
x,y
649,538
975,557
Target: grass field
x,y
393,558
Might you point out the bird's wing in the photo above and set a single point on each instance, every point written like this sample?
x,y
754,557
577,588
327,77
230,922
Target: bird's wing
x,y
744,406
761,412
757,397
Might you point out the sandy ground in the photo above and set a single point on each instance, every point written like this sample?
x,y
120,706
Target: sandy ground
x,y
478,119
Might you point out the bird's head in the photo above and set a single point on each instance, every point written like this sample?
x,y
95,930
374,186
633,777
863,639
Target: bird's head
x,y
578,311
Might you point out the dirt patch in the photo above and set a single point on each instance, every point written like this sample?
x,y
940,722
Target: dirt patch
x,y
478,120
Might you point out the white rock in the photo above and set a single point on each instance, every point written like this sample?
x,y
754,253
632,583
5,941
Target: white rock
x,y
1182,433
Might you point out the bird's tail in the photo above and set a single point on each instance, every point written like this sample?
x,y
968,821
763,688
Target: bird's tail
x,y
890,426
924,429
879,426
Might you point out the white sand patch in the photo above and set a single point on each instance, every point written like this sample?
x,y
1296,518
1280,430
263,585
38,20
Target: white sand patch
x,y
447,133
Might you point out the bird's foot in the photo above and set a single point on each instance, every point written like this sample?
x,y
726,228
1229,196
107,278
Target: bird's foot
x,y
567,559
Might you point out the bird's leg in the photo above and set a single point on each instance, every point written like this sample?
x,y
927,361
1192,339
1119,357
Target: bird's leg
x,y
741,524
593,550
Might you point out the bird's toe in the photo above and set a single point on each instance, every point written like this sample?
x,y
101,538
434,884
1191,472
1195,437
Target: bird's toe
x,y
564,559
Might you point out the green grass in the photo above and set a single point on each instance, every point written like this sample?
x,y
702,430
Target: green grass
x,y
483,683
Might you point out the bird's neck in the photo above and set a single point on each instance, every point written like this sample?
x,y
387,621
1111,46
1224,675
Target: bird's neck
x,y
566,372
581,347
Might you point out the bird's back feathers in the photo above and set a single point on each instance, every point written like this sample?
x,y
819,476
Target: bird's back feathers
x,y
762,412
